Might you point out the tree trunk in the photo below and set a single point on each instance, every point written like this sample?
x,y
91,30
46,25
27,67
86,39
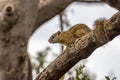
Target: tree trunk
x,y
16,23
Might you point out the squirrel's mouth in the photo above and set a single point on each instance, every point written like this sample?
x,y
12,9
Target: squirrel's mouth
x,y
50,41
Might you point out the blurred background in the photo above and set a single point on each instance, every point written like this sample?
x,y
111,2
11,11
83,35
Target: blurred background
x,y
103,62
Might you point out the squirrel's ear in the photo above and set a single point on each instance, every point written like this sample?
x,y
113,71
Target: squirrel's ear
x,y
58,32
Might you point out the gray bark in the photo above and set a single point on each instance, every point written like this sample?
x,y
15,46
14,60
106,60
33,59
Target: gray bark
x,y
16,23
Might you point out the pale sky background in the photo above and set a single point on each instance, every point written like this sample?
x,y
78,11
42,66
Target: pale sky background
x,y
103,60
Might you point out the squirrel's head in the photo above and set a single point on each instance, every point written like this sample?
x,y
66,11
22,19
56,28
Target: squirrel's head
x,y
55,37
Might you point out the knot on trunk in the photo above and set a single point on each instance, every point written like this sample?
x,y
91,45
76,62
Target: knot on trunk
x,y
8,16
10,13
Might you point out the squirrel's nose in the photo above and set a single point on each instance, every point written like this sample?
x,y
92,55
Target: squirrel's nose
x,y
49,41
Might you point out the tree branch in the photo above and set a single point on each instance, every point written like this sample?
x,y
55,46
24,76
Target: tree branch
x,y
113,3
89,1
49,9
82,49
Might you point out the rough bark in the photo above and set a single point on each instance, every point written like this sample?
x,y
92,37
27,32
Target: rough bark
x,y
16,23
82,49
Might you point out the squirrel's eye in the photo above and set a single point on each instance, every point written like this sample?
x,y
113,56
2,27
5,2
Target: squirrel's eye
x,y
53,37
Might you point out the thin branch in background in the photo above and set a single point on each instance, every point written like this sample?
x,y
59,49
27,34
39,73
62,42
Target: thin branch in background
x,y
61,27
63,22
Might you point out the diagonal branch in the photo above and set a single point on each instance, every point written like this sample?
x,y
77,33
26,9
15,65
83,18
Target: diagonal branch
x,y
113,3
48,9
82,48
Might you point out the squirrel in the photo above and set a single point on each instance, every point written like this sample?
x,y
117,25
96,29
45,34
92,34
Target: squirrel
x,y
70,36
